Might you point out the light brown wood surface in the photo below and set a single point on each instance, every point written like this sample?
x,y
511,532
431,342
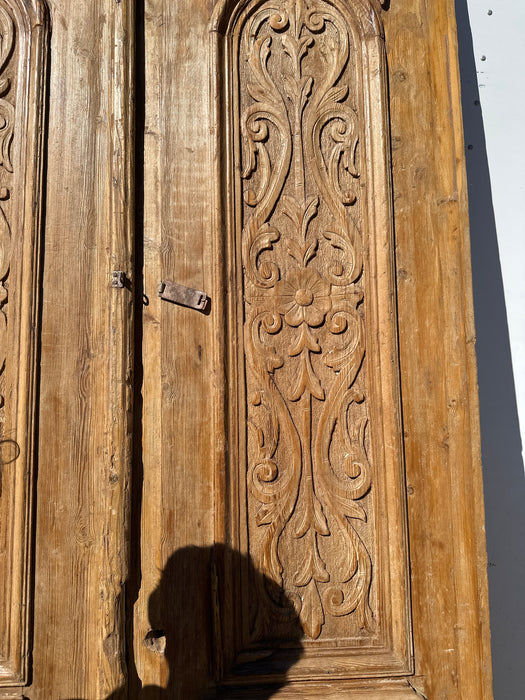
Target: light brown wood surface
x,y
23,48
281,496
84,451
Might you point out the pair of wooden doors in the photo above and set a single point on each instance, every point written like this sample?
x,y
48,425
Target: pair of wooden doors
x,y
276,495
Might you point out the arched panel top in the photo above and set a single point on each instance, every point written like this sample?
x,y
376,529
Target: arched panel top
x,y
366,14
19,19
305,193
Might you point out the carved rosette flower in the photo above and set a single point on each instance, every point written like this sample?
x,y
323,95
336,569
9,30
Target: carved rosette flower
x,y
303,297
301,244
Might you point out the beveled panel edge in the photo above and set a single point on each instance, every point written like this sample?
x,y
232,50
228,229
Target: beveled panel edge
x,y
21,307
330,690
221,159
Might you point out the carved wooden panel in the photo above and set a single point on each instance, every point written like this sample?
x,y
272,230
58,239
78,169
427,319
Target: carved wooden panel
x,y
315,472
22,65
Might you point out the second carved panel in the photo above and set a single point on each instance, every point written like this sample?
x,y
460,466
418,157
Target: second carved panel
x,y
315,467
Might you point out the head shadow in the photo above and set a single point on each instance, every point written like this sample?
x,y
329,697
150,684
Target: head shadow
x,y
224,629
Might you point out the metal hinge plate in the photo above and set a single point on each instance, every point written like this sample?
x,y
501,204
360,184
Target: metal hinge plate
x,y
185,296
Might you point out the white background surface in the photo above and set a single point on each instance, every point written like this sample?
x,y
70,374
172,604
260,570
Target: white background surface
x,y
499,43
491,49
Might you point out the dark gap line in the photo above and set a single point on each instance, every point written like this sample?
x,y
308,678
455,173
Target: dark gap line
x,y
135,575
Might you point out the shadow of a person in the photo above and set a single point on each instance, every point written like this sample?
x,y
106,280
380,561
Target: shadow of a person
x,y
198,635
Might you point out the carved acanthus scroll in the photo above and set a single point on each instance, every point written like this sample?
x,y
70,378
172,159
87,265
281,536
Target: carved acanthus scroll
x,y
313,478
7,39
309,464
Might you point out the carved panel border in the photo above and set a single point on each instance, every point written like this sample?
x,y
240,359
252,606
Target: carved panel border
x,y
314,474
23,42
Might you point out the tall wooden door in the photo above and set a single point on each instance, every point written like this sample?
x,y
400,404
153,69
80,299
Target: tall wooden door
x,y
240,455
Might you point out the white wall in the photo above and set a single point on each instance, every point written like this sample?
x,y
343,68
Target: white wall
x,y
491,35
498,36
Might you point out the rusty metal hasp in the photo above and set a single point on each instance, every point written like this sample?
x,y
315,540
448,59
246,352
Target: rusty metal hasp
x,y
185,296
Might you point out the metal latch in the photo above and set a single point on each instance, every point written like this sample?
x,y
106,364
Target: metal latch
x,y
186,296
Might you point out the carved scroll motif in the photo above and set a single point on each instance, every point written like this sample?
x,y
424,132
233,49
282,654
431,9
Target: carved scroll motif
x,y
309,455
7,39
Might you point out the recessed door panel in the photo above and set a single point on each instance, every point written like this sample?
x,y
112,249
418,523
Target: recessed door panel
x,y
316,473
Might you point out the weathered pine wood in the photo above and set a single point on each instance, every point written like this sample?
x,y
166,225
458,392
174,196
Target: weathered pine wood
x,y
434,311
316,465
84,452
244,470
436,333
23,51
179,376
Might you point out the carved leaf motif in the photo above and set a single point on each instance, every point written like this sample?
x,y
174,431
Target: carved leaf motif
x,y
312,614
5,246
306,380
312,517
336,94
7,37
301,255
313,569
267,273
269,360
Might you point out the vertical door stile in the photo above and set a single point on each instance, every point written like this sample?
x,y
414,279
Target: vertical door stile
x,y
176,509
24,32
121,224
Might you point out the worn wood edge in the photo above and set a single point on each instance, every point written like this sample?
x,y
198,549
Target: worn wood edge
x,y
471,624
12,694
466,676
34,20
225,13
339,667
394,484
118,452
478,511
331,690
224,410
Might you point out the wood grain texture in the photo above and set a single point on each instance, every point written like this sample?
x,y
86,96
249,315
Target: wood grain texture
x,y
84,450
177,494
23,47
429,210
436,332
200,526
364,690
316,465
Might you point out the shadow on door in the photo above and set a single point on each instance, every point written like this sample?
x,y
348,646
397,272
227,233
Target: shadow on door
x,y
504,479
181,622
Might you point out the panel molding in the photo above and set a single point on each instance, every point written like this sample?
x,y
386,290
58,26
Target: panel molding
x,y
389,690
23,53
315,486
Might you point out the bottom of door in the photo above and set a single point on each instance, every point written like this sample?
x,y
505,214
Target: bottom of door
x,y
377,690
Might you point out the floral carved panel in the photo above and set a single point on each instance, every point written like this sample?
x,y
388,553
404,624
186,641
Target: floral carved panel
x,y
317,476
23,31
309,475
